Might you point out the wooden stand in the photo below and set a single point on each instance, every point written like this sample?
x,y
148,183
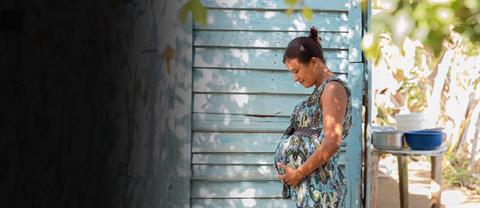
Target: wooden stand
x,y
436,173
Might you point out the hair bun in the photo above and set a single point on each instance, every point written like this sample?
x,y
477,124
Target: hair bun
x,y
314,35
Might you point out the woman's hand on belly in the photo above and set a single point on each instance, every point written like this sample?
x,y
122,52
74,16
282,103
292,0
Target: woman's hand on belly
x,y
291,177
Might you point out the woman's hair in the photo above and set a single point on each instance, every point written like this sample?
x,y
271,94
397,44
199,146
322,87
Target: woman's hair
x,y
304,48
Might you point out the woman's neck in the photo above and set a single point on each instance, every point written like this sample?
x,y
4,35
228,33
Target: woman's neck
x,y
324,74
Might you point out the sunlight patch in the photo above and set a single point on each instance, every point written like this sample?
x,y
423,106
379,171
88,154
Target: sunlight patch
x,y
249,192
229,3
226,121
249,202
269,15
241,100
225,110
264,170
243,16
453,197
260,43
299,25
242,54
206,193
404,24
211,19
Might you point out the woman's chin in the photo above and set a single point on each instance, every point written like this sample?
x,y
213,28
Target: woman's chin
x,y
306,85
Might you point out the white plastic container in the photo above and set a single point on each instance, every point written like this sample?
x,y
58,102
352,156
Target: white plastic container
x,y
410,121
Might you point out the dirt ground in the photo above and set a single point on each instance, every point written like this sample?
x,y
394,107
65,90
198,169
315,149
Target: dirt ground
x,y
418,187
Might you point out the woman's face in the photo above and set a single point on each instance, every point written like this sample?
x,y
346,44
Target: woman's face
x,y
303,73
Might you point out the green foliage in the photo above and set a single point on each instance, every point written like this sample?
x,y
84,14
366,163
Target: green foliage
x,y
291,2
383,114
412,93
306,11
409,86
456,172
199,12
431,23
415,90
415,95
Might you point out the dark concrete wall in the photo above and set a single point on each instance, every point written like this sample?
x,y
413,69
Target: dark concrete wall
x,y
86,100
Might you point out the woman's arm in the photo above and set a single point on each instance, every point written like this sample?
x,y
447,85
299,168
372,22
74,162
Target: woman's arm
x,y
334,102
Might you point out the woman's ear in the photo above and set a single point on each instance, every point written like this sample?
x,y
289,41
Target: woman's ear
x,y
315,61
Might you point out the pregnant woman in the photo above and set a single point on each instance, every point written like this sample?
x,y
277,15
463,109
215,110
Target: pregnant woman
x,y
307,156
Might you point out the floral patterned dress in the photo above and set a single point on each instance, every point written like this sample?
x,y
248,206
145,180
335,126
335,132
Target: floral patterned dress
x,y
325,186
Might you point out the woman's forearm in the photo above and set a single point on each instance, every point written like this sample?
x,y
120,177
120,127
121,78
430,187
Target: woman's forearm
x,y
321,155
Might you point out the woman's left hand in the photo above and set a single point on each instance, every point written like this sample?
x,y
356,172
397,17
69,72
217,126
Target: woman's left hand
x,y
291,177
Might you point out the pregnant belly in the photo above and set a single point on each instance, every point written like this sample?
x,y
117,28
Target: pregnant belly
x,y
294,150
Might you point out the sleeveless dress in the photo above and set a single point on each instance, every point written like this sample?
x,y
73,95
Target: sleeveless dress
x,y
325,186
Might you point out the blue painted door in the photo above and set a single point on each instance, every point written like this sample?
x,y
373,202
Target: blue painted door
x,y
243,96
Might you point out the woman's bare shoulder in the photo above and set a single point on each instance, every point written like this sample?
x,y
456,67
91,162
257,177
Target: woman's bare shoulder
x,y
334,89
